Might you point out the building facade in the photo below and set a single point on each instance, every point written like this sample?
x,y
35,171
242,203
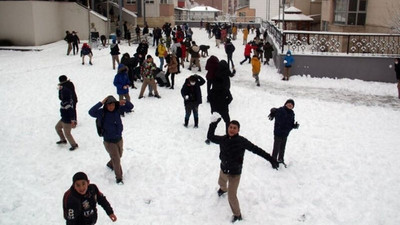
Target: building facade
x,y
365,16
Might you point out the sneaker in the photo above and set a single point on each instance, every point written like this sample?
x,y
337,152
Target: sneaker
x,y
196,126
73,147
258,85
90,63
185,125
236,218
83,63
120,182
220,192
207,141
140,97
61,142
189,68
171,87
199,70
157,96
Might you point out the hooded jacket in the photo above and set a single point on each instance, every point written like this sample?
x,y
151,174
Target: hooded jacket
x,y
81,209
192,91
211,67
256,65
66,105
289,59
112,124
121,79
232,150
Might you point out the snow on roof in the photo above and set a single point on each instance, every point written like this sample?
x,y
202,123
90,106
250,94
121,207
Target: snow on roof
x,y
204,9
293,17
292,9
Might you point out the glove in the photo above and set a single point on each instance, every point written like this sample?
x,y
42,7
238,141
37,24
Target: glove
x,y
296,125
271,117
215,118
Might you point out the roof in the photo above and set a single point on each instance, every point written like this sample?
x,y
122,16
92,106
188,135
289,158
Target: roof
x,y
292,17
204,9
292,9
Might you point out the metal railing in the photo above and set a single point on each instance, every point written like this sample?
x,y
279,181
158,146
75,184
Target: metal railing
x,y
312,42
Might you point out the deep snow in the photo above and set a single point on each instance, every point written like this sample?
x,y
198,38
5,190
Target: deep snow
x,y
343,160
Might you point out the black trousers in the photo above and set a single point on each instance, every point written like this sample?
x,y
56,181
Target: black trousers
x,y
278,151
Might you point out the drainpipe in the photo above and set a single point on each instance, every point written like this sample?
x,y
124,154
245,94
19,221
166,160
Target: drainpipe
x,y
88,10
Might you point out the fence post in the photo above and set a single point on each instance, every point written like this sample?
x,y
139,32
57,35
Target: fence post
x,y
348,43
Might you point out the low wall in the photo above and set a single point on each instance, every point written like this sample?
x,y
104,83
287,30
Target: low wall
x,y
353,67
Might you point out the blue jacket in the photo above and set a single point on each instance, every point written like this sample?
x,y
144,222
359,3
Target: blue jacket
x,y
284,121
112,123
289,59
121,79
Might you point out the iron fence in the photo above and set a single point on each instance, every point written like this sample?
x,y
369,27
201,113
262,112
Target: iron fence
x,y
334,42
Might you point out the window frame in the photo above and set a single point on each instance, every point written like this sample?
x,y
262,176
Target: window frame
x,y
344,16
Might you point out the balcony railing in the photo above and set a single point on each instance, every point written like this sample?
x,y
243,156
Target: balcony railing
x,y
312,42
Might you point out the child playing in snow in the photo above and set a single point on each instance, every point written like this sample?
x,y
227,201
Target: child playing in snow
x,y
79,202
86,51
256,67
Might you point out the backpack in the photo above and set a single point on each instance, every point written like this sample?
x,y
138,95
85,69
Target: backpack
x,y
179,52
99,125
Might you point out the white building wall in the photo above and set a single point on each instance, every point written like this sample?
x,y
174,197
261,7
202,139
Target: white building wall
x,y
265,9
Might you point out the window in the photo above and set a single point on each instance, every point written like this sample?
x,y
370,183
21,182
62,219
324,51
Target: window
x,y
131,2
149,1
350,12
163,1
242,14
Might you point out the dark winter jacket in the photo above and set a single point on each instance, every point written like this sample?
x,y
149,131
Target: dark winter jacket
x,y
121,79
193,93
111,121
397,69
220,100
289,59
284,121
142,49
70,86
66,105
268,49
81,209
229,48
114,49
222,76
211,67
232,150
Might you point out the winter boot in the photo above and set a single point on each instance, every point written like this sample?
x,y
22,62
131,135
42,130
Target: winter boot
x,y
196,122
186,122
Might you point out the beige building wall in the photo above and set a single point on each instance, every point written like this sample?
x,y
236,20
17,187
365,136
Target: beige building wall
x,y
381,17
32,23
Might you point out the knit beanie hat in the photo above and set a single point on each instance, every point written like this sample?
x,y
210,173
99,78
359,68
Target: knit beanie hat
x,y
79,176
62,78
290,101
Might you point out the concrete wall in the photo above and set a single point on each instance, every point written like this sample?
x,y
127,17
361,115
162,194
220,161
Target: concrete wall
x,y
352,67
32,23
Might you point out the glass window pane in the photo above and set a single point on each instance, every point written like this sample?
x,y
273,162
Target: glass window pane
x,y
361,19
351,20
340,18
341,5
363,5
353,5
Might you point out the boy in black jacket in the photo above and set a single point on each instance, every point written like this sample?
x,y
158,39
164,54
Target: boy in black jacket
x,y
232,147
79,202
284,123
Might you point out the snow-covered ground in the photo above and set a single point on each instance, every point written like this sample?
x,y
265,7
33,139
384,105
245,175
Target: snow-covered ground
x,y
343,160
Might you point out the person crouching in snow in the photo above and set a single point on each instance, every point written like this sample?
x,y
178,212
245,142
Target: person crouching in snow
x,y
79,202
284,123
86,51
256,67
191,94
